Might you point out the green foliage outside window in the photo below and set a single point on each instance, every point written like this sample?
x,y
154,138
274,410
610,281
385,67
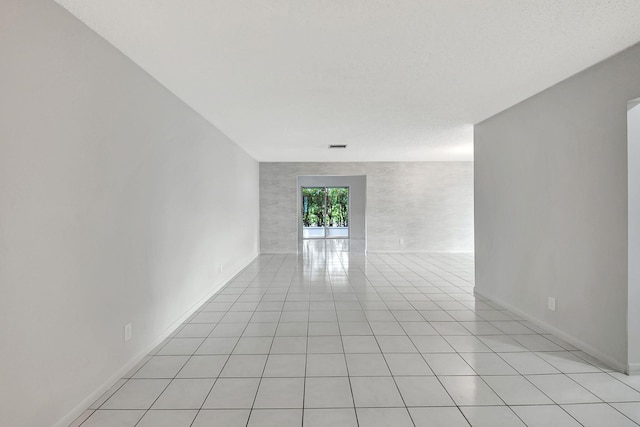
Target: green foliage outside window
x,y
334,214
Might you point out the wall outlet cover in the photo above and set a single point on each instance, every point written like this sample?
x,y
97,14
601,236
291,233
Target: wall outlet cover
x,y
128,332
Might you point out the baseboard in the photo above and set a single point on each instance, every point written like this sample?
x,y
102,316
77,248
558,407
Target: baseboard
x,y
85,403
415,251
604,358
633,369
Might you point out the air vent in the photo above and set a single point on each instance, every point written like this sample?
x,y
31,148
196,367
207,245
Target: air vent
x,y
337,146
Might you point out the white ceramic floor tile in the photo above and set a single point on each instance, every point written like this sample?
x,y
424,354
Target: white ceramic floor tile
x,y
195,330
431,344
516,390
632,381
355,328
491,416
607,388
232,393
285,365
275,418
260,329
253,345
222,418
480,327
334,331
501,343
562,389
184,394
323,316
330,418
396,344
228,330
545,416
375,392
162,367
136,394
407,364
326,344
217,346
323,328
108,418
289,345
367,365
598,415
511,327
630,409
567,363
167,418
536,343
180,346
208,366
488,364
450,328
266,316
418,328
360,344
448,364
528,363
438,417
321,365
386,328
207,317
280,393
436,315
242,365
423,391
328,392
294,316
384,417
292,329
470,390
467,344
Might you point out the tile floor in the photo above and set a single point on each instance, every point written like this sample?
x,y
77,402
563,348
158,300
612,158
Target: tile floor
x,y
336,338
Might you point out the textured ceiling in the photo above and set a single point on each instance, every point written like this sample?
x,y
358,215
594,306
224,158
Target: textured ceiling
x,y
395,80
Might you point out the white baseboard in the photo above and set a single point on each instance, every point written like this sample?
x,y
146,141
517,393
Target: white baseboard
x,y
86,402
633,369
604,358
415,251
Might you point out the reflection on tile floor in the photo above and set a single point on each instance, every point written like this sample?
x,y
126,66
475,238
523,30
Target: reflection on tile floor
x,y
336,338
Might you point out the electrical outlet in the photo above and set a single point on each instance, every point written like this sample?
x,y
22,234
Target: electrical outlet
x,y
551,304
128,332
220,268
401,242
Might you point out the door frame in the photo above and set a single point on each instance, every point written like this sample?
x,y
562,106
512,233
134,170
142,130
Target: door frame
x,y
357,204
325,227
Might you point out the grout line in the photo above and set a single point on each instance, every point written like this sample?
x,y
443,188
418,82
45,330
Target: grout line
x,y
385,283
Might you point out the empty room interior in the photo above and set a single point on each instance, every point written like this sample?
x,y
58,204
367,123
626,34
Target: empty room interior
x,y
319,213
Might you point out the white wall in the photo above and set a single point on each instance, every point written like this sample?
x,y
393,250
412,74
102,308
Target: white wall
x,y
426,205
551,206
633,182
117,204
